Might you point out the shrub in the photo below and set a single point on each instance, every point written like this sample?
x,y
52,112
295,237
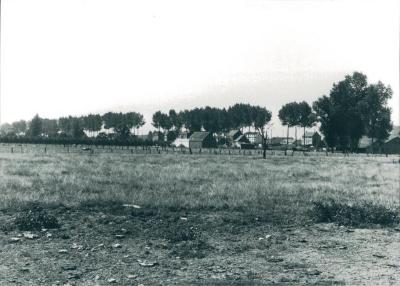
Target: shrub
x,y
180,232
354,214
35,217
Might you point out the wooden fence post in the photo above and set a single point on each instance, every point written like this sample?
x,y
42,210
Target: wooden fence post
x,y
12,149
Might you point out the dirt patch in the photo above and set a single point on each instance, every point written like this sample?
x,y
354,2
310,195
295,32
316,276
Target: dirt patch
x,y
132,246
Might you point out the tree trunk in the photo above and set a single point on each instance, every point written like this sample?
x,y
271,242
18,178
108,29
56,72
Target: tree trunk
x,y
372,145
264,148
287,140
264,143
304,136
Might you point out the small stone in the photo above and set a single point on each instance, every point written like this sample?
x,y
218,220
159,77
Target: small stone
x,y
30,235
119,236
14,239
116,245
378,255
97,277
111,280
131,276
147,263
184,218
49,234
63,251
131,206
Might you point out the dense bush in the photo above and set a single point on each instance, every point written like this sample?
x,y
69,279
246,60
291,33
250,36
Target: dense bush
x,y
354,214
35,217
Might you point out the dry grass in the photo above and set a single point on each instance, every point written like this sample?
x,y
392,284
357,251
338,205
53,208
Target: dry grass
x,y
279,189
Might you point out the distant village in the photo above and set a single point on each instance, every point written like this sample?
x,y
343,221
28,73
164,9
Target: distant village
x,y
310,141
355,117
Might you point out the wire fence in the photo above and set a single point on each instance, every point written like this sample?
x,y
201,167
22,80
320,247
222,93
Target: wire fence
x,y
107,149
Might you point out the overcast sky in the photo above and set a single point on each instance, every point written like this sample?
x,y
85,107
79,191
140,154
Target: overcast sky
x,y
61,57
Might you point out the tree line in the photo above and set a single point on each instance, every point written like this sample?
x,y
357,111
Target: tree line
x,y
73,127
352,109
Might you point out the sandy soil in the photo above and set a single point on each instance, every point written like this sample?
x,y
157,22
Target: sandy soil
x,y
130,247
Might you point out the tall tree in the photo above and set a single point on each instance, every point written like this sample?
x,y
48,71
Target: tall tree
x,y
6,129
289,116
35,126
345,96
65,125
306,118
376,113
175,119
92,123
157,118
354,109
326,115
77,128
19,126
260,118
50,127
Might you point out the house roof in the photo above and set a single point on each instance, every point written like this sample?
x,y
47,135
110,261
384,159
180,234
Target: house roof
x,y
233,132
241,138
199,136
395,133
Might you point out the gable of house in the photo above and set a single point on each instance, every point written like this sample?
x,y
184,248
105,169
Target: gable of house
x,y
242,139
233,134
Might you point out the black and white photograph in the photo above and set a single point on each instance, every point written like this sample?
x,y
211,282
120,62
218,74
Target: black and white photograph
x,y
199,142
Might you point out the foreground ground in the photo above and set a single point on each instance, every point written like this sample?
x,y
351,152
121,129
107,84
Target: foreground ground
x,y
194,220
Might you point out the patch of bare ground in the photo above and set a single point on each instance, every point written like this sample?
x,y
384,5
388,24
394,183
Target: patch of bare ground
x,y
133,245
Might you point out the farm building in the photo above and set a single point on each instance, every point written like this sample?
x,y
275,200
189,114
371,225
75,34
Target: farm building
x,y
254,137
390,146
232,135
311,139
298,142
241,141
276,141
364,145
202,139
182,140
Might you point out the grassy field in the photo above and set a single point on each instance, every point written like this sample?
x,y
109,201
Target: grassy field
x,y
283,187
239,219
